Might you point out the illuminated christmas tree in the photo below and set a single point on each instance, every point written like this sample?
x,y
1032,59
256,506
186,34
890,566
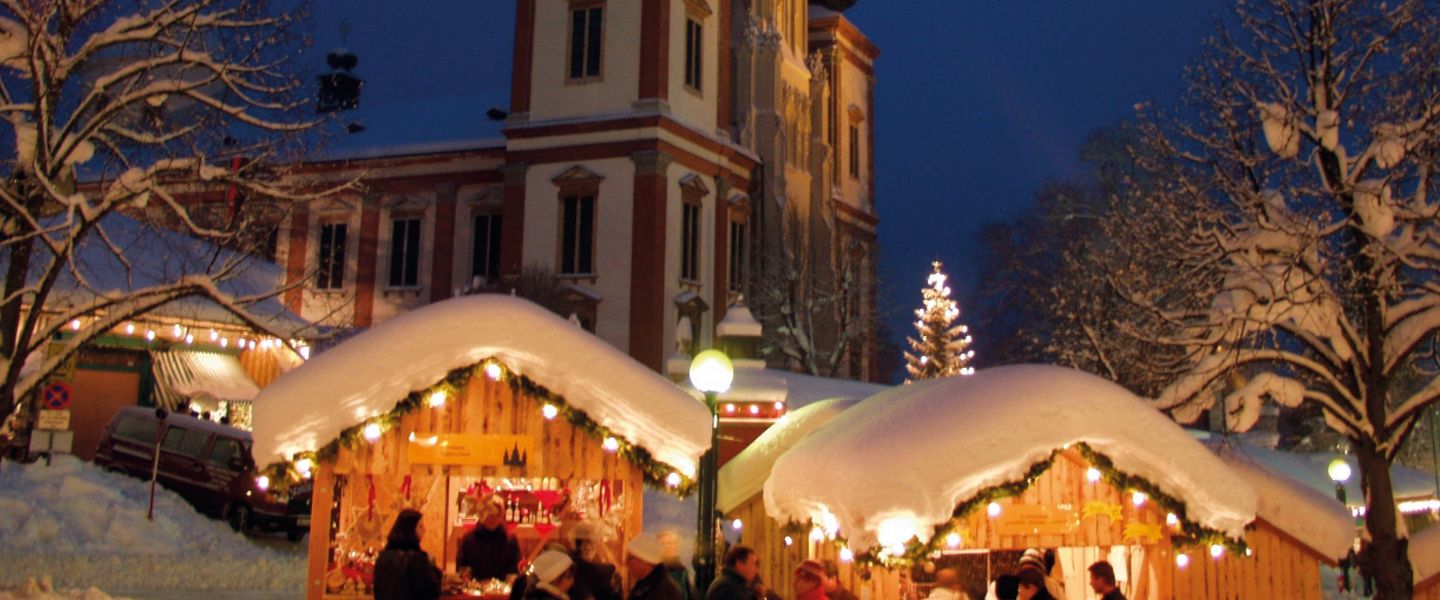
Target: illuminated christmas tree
x,y
943,347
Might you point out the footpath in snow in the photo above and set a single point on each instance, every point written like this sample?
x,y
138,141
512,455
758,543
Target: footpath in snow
x,y
84,528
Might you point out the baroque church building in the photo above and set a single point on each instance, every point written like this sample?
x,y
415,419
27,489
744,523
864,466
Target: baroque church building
x,y
663,159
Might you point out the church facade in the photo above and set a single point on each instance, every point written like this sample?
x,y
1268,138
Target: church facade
x,y
660,159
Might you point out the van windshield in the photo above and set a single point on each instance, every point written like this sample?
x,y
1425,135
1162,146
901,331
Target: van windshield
x,y
226,453
136,428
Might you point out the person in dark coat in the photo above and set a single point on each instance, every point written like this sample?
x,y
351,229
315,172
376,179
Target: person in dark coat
x,y
1102,580
678,572
595,577
643,559
403,571
741,565
552,575
1032,585
489,551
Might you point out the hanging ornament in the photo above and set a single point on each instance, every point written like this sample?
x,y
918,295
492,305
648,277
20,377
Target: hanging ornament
x,y
405,487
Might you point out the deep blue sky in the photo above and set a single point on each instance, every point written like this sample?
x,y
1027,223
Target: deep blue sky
x,y
979,101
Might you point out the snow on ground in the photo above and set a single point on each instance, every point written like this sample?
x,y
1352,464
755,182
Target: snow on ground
x,y
84,527
906,457
309,406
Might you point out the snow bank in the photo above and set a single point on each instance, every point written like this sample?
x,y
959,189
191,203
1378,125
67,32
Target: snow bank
x,y
84,527
43,590
1425,553
921,449
1315,519
745,475
368,374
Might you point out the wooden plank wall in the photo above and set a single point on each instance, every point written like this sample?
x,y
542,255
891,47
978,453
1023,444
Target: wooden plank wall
x,y
563,452
1277,568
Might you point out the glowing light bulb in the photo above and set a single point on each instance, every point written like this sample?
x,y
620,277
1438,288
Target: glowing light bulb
x,y
1216,550
262,483
993,509
372,432
846,555
224,342
189,339
437,398
729,408
953,540
789,541
816,534
129,329
304,465
1138,498
177,331
1092,474
549,412
1171,519
150,335
754,409
779,406
737,524
214,335
611,444
672,480
492,371
1182,560
75,324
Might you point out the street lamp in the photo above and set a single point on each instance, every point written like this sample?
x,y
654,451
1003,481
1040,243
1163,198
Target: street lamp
x,y
1339,471
711,373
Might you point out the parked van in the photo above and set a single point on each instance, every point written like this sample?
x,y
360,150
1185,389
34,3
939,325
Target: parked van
x,y
206,463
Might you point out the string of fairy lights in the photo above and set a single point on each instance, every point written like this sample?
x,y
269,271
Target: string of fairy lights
x,y
1187,536
176,332
657,474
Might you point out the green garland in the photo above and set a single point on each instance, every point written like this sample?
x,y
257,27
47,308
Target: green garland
x,y
1192,533
656,473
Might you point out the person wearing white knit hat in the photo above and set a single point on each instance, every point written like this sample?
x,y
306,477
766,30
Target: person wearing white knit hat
x,y
553,576
643,556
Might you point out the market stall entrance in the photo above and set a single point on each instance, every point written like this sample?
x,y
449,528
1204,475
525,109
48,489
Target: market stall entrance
x,y
465,403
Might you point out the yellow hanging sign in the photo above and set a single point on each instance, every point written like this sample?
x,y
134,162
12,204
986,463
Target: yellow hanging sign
x,y
1096,508
1037,519
1147,533
472,449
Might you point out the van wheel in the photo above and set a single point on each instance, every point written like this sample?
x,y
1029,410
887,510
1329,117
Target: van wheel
x,y
239,517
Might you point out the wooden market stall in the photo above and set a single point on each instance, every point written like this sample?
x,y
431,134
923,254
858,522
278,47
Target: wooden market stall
x,y
461,402
967,472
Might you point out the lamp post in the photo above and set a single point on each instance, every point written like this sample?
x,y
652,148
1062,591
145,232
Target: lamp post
x,y
1339,471
711,373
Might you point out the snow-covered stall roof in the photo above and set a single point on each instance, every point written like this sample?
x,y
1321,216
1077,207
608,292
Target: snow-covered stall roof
x,y
368,374
1311,470
745,474
1425,553
1317,520
920,450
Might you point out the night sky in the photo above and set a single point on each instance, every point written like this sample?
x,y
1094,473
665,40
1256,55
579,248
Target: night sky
x,y
978,102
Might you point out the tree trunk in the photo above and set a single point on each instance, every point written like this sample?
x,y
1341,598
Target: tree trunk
x,y
1387,557
17,271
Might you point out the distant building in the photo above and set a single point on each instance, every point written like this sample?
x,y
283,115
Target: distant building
x,y
647,158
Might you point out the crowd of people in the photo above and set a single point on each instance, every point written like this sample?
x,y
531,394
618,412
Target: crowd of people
x,y
403,571
1034,579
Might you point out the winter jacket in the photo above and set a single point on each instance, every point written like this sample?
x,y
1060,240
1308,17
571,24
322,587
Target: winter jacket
x,y
1113,595
815,593
656,585
594,580
840,593
730,585
489,553
405,574
681,576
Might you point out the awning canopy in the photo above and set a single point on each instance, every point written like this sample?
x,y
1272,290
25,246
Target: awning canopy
x,y
188,374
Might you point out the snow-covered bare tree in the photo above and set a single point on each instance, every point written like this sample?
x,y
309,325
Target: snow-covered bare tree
x,y
815,313
943,349
143,132
1301,171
